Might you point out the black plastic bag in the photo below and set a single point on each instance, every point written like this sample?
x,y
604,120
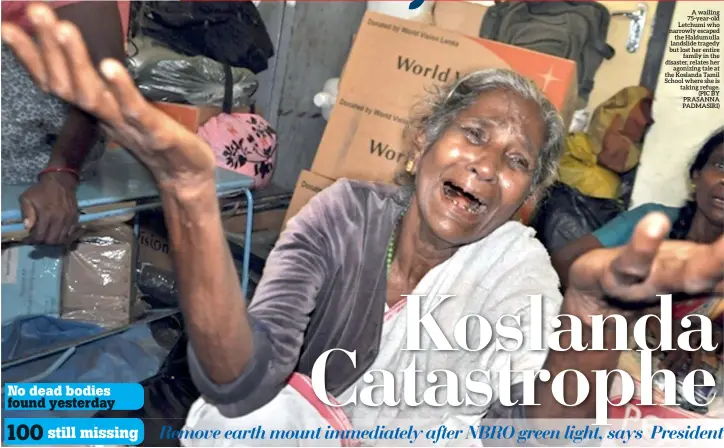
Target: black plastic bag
x,y
567,215
625,190
231,33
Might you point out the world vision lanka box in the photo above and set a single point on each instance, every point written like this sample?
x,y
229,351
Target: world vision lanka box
x,y
391,65
308,185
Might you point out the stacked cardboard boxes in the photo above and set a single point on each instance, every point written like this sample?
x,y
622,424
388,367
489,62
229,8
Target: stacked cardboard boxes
x,y
392,64
308,185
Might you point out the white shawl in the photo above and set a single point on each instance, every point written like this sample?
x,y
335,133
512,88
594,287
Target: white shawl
x,y
490,278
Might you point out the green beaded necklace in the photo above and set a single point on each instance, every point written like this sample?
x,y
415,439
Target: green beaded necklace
x,y
392,244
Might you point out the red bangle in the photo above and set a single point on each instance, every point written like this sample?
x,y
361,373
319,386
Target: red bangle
x,y
59,169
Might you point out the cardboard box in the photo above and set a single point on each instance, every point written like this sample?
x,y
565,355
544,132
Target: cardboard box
x,y
308,185
193,117
463,17
269,220
154,248
390,66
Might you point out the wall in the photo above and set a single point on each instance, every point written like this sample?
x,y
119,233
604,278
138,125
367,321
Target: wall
x,y
319,38
624,69
677,134
270,81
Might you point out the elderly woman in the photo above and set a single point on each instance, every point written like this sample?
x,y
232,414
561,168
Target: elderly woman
x,y
489,145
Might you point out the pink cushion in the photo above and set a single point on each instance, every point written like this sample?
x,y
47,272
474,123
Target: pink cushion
x,y
244,143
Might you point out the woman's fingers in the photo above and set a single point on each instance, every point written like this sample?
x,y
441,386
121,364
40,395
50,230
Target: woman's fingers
x,y
634,263
149,127
27,52
648,266
133,107
60,63
45,22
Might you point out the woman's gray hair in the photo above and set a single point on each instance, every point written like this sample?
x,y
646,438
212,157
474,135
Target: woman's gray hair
x,y
444,104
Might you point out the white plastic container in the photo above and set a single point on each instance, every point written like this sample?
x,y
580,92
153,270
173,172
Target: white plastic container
x,y
327,97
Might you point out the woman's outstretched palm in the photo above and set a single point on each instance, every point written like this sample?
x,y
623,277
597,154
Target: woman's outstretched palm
x,y
627,279
58,63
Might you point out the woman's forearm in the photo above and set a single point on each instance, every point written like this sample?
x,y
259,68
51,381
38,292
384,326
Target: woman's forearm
x,y
585,362
209,291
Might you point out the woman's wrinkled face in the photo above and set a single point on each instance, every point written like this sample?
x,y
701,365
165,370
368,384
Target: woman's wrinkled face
x,y
710,187
479,173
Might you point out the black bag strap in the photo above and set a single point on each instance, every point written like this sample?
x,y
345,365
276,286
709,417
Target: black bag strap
x,y
228,90
607,51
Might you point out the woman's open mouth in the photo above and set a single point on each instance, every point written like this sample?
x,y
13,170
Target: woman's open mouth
x,y
462,199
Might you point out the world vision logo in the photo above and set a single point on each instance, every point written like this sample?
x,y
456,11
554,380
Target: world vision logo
x,y
385,151
434,72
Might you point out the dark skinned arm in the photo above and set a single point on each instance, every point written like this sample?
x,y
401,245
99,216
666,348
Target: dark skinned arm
x,y
240,358
645,267
218,326
49,207
585,362
614,233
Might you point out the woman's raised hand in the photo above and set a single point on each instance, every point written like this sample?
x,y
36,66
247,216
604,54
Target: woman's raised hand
x,y
59,63
624,280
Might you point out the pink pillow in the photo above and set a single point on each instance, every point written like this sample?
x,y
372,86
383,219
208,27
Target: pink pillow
x,y
244,143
